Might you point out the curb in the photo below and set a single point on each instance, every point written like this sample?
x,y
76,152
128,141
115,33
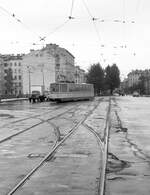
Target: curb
x,y
12,100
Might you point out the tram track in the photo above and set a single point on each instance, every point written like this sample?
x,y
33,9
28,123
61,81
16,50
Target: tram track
x,y
54,149
31,117
35,125
104,149
105,153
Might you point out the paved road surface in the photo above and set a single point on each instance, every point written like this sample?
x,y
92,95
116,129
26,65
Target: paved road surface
x,y
129,158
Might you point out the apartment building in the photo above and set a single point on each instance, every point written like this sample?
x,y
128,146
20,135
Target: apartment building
x,y
2,87
39,67
79,75
50,64
146,81
136,76
12,66
133,77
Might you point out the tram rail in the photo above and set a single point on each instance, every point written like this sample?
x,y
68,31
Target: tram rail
x,y
39,123
53,150
104,149
30,117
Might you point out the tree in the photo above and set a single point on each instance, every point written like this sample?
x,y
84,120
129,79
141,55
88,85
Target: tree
x,y
112,77
9,81
95,76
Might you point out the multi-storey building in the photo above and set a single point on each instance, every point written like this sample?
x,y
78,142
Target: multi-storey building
x,y
124,84
146,80
133,77
39,67
137,76
2,87
50,64
79,75
13,63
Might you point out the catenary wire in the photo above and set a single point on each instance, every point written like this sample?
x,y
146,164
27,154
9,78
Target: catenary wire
x,y
18,20
57,28
93,21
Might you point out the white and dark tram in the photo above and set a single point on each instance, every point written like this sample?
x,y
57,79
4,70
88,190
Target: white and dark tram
x,y
61,92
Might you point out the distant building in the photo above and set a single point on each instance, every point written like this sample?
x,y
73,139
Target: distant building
x,y
50,64
133,77
146,80
2,87
79,75
39,67
124,84
13,62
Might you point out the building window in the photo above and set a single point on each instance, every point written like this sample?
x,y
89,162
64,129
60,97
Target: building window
x,y
19,63
19,84
19,77
57,66
15,77
15,64
10,63
15,84
5,64
15,71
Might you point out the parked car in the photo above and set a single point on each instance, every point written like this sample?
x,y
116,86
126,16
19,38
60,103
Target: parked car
x,y
135,94
116,94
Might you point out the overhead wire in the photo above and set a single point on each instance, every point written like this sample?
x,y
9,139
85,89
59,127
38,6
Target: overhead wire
x,y
58,28
93,19
13,15
41,38
71,10
70,17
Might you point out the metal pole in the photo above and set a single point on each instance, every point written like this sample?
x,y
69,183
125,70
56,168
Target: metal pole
x,y
29,80
43,77
29,83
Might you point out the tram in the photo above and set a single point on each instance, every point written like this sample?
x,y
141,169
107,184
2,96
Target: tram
x,y
61,92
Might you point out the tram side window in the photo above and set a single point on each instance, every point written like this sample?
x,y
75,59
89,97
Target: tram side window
x,y
63,88
71,87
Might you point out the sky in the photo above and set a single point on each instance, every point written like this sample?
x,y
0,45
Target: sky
x,y
119,32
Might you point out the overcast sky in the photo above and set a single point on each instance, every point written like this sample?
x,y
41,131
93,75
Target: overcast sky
x,y
120,34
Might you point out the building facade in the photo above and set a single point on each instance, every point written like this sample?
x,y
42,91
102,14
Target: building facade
x,y
133,77
136,77
12,75
79,75
2,84
146,81
45,66
39,67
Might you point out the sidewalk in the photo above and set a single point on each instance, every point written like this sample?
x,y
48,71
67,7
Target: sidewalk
x,y
13,99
